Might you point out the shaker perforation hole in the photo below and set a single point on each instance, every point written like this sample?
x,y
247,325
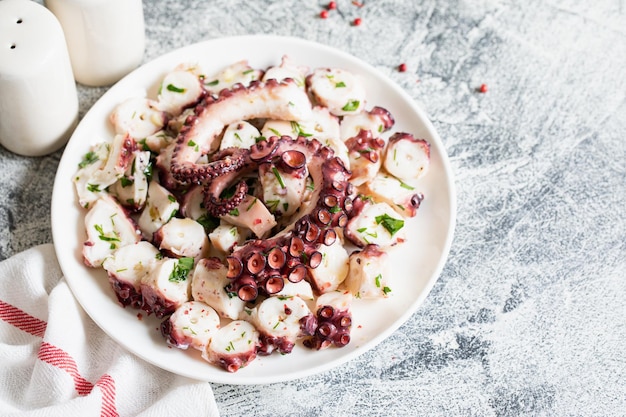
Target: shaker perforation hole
x,y
13,46
19,21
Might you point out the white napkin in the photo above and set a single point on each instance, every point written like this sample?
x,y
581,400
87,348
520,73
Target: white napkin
x,y
54,360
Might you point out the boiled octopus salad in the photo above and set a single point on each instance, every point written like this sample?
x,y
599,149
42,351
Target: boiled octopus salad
x,y
250,208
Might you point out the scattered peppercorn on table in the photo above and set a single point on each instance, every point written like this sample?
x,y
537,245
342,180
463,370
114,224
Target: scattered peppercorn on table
x,y
527,315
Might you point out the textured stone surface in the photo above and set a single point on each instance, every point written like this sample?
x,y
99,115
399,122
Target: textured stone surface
x,y
528,316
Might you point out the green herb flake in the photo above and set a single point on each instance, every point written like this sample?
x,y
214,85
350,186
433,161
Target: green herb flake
x,y
234,212
272,204
102,236
171,198
260,139
277,324
158,256
392,225
340,84
276,132
212,83
285,207
181,270
279,178
191,143
238,137
386,290
251,204
174,89
246,72
377,280
335,209
88,159
208,222
94,188
230,347
361,230
126,182
407,186
310,186
351,105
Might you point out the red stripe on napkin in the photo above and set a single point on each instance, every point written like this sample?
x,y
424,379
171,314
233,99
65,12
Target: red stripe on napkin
x,y
57,357
22,320
62,360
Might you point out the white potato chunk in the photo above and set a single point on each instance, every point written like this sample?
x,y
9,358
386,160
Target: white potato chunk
x,y
287,69
92,161
233,346
167,286
376,224
404,198
239,135
279,319
237,73
192,324
208,285
138,117
108,228
179,90
182,238
300,289
352,124
161,206
132,188
129,264
370,273
252,214
226,236
406,157
341,91
333,268
283,192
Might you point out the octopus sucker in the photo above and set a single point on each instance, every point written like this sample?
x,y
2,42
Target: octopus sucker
x,y
275,200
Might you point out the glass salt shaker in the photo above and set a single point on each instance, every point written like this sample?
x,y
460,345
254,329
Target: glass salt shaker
x,y
105,38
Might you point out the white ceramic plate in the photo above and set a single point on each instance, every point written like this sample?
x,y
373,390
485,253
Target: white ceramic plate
x,y
417,263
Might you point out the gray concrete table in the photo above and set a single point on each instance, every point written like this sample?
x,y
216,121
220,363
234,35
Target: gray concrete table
x,y
529,314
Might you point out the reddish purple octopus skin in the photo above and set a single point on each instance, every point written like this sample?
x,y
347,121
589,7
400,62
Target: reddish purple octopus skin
x,y
187,171
333,328
261,266
366,145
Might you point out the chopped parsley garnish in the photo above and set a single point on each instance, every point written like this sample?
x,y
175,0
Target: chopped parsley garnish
x,y
126,182
285,207
377,280
279,178
259,139
272,204
297,129
392,225
234,212
181,270
208,222
361,230
103,236
310,186
231,294
94,188
276,132
340,84
174,89
335,209
88,159
386,290
230,347
238,137
251,204
171,198
246,72
407,186
212,83
351,105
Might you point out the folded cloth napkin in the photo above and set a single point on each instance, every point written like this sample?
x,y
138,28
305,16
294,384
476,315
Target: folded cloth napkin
x,y
54,360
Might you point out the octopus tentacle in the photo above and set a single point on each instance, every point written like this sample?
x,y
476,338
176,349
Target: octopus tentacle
x,y
277,100
254,267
